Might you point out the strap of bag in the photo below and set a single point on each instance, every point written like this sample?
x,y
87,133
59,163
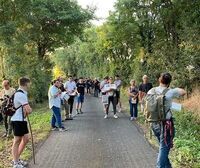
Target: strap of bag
x,y
20,91
165,91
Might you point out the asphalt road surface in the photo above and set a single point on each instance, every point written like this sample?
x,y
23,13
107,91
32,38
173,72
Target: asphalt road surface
x,y
95,142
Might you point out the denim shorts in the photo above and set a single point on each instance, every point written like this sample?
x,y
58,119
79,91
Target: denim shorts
x,y
80,99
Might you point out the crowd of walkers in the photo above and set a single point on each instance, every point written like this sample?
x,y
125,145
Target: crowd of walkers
x,y
63,94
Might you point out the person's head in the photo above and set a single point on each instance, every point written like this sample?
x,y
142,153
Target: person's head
x,y
145,79
24,83
80,80
110,80
106,79
70,78
6,84
165,79
132,82
60,78
56,83
116,77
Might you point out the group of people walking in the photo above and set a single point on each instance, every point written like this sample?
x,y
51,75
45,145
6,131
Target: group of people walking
x,y
65,93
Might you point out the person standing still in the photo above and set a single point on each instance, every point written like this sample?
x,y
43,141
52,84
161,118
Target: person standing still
x,y
19,122
80,97
7,92
164,130
133,100
54,95
70,87
111,93
143,89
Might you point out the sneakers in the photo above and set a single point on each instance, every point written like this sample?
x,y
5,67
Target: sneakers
x,y
81,111
119,110
63,129
133,118
106,116
70,117
54,128
115,116
77,112
20,164
24,163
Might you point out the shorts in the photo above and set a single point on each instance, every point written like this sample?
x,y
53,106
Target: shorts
x,y
80,99
20,128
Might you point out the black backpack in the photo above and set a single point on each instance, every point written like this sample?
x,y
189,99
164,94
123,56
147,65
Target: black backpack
x,y
8,107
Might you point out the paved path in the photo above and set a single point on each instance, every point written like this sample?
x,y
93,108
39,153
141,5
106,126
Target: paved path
x,y
95,142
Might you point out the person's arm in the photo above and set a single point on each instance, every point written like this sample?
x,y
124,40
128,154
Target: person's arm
x,y
27,110
140,94
179,92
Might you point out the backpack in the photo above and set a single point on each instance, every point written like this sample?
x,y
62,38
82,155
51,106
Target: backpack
x,y
8,107
154,106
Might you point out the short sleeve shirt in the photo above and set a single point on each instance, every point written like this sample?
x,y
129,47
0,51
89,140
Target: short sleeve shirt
x,y
20,99
54,101
145,87
81,88
70,86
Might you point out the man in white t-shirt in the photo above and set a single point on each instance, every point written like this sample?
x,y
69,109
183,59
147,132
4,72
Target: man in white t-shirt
x,y
70,87
19,122
7,93
164,131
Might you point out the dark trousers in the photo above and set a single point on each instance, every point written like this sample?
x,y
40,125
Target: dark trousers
x,y
133,109
96,92
113,100
7,124
71,104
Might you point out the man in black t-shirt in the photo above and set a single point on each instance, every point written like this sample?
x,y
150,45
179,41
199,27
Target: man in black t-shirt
x,y
80,97
143,89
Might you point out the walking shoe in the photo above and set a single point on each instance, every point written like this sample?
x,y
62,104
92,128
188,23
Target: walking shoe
x,y
18,165
24,163
63,129
81,111
132,118
119,110
77,112
115,116
70,116
106,116
68,119
54,128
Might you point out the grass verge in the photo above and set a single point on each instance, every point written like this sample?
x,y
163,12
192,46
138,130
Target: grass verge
x,y
40,125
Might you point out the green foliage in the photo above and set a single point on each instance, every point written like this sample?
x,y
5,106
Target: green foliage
x,y
187,141
29,31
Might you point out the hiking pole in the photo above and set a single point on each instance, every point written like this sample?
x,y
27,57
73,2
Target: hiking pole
x,y
33,149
